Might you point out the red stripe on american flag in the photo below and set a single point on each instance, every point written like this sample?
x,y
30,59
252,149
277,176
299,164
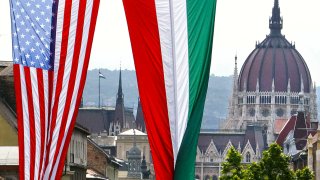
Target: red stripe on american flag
x,y
31,120
16,71
42,117
72,78
94,15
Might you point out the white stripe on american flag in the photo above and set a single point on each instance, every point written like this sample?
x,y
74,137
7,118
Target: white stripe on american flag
x,y
25,124
36,109
80,70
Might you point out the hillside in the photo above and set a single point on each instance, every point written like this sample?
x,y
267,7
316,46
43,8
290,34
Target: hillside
x,y
318,102
216,105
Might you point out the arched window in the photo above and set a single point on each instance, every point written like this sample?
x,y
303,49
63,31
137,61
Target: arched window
x,y
197,177
248,157
207,177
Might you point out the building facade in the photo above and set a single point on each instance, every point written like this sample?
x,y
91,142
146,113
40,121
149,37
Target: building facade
x,y
213,146
270,83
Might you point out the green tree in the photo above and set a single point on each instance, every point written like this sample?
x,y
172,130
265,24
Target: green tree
x,y
275,164
232,168
253,172
304,174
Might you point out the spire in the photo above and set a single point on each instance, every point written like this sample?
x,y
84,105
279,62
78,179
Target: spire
x,y
235,74
257,86
275,22
119,110
120,94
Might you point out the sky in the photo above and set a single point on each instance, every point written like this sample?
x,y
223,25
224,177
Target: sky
x,y
239,24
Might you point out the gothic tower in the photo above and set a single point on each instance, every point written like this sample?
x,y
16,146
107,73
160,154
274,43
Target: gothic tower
x,y
119,121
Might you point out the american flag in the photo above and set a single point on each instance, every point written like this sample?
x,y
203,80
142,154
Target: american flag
x,y
51,41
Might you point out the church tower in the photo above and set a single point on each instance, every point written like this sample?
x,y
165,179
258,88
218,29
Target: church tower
x,y
119,118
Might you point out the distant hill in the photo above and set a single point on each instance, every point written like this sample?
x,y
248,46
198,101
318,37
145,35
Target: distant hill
x,y
219,91
318,95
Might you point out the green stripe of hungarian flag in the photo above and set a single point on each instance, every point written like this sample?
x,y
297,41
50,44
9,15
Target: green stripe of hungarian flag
x,y
171,43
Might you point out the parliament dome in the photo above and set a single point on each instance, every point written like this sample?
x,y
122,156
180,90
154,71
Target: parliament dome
x,y
275,64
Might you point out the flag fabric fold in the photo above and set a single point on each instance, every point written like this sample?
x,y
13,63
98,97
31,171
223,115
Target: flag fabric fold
x,y
172,42
51,43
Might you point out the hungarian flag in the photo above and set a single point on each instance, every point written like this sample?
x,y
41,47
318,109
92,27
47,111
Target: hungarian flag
x,y
51,48
172,43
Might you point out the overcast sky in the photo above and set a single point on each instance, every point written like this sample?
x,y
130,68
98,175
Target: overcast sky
x,y
239,24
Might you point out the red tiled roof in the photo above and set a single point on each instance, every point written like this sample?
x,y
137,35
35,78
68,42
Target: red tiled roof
x,y
286,129
279,124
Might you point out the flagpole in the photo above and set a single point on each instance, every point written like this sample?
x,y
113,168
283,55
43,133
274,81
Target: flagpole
x,y
99,88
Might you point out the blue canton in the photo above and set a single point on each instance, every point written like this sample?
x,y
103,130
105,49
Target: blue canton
x,y
32,37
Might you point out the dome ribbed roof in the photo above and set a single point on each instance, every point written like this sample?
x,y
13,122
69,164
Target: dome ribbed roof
x,y
275,59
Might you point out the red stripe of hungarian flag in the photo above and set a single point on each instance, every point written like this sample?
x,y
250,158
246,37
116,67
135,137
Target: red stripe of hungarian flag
x,y
171,43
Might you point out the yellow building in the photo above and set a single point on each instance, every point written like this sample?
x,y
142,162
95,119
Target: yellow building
x,y
313,146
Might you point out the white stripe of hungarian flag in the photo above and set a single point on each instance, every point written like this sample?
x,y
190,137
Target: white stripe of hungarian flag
x,y
171,43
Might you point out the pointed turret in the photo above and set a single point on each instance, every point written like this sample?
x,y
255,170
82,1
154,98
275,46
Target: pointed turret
x,y
289,86
235,73
257,86
275,22
239,147
273,86
139,118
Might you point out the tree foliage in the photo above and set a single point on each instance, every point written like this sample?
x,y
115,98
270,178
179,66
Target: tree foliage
x,y
274,165
304,174
232,168
253,172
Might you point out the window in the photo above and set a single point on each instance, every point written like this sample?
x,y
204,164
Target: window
x,y
265,99
252,112
251,100
265,112
281,99
248,157
294,100
280,112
